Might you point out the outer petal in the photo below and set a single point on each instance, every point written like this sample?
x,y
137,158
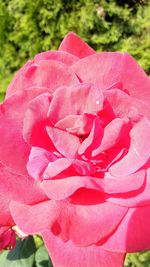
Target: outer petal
x,y
73,44
19,188
107,68
11,123
61,56
133,234
35,218
11,88
123,104
89,224
35,122
67,254
139,151
45,73
84,225
140,198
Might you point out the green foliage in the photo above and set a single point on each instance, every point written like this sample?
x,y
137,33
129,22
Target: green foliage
x,y
42,258
138,259
28,27
21,256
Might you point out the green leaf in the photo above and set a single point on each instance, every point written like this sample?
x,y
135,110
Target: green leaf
x,y
22,256
38,241
42,258
141,259
1,96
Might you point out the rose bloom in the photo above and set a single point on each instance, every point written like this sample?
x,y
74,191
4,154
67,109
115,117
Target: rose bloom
x,y
74,156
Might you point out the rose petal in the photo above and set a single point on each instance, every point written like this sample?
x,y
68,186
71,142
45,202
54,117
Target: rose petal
x,y
85,225
134,199
12,87
83,98
45,73
35,218
138,153
68,254
114,132
77,124
61,56
133,233
67,144
11,124
63,188
69,221
38,161
107,68
124,184
56,167
122,104
73,44
19,188
93,140
35,122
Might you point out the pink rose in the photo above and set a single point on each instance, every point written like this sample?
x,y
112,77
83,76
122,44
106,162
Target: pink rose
x,y
75,148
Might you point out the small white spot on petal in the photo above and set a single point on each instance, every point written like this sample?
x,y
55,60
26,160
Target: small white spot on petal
x,y
97,102
45,176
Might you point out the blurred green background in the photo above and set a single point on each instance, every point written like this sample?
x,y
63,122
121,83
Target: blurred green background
x,y
28,27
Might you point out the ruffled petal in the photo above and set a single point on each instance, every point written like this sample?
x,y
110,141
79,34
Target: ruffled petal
x,y
61,56
123,104
113,188
74,45
35,122
107,68
39,159
68,254
56,167
35,218
139,150
77,124
84,225
66,143
63,188
139,198
12,86
14,151
93,140
116,131
133,233
45,73
83,98
19,188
